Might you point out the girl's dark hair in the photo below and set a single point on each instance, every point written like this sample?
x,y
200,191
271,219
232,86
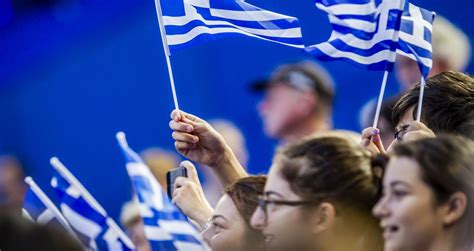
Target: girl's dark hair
x,y
244,193
447,166
332,169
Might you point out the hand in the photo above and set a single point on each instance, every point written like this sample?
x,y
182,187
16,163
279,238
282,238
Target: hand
x,y
196,140
371,141
189,196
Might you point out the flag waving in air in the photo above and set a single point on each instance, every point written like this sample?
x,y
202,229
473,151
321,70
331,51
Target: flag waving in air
x,y
89,220
165,226
191,22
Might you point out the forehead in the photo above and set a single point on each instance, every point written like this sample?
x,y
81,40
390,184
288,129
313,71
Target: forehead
x,y
402,169
226,208
407,118
276,183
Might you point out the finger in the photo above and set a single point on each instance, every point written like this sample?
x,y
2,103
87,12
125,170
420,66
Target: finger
x,y
378,143
180,126
191,117
183,146
176,115
365,142
369,132
191,170
185,137
179,182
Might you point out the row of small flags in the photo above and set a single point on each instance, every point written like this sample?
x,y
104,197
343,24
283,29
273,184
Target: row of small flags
x,y
364,32
85,219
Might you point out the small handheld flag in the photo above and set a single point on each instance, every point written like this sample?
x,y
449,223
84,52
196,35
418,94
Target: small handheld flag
x,y
38,207
165,226
85,215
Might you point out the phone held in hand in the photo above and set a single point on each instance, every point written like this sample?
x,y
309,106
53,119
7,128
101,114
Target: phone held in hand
x,y
171,178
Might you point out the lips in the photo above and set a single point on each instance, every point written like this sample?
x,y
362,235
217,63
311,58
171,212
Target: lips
x,y
389,230
268,237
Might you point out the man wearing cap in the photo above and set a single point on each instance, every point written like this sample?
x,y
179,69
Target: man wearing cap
x,y
297,102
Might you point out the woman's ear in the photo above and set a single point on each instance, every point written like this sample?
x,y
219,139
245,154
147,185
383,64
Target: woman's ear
x,y
455,208
323,217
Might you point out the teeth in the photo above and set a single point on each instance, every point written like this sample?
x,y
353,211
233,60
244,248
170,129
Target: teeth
x,y
269,238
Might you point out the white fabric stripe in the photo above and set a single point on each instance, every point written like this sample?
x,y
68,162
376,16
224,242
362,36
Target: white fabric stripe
x,y
80,223
358,43
140,169
348,9
285,33
180,39
178,227
329,50
425,61
45,217
156,233
187,246
419,25
261,15
415,40
353,24
145,211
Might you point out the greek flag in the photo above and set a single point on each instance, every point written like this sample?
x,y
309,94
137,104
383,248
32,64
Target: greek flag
x,y
165,226
415,36
365,32
39,208
89,220
192,22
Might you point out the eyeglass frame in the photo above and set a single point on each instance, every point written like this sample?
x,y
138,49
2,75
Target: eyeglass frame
x,y
262,203
397,135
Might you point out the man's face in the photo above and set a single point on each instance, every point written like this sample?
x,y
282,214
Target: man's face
x,y
280,109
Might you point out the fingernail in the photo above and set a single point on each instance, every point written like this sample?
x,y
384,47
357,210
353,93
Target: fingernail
x,y
375,131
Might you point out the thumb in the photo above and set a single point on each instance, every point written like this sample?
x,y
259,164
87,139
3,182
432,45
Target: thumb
x,y
191,171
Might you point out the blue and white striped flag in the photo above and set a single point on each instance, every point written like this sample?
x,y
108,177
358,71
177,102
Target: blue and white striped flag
x,y
193,22
165,226
38,207
365,32
415,36
89,220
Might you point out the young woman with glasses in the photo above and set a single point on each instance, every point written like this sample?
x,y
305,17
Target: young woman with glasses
x,y
318,196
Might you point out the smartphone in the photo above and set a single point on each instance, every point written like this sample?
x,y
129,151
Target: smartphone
x,y
171,178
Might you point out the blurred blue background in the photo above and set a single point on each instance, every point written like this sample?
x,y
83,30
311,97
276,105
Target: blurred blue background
x,y
74,72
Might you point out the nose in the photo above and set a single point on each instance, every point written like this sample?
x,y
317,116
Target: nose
x,y
380,209
258,220
262,106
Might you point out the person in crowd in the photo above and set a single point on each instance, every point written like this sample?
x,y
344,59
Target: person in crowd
x,y
160,161
448,107
428,196
451,52
19,234
131,219
12,186
318,196
228,226
298,101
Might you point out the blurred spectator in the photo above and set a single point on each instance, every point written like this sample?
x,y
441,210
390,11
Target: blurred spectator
x,y
132,221
19,234
451,51
160,161
12,186
298,101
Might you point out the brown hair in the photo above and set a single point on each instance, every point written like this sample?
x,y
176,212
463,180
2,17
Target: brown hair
x,y
334,170
448,104
447,166
244,193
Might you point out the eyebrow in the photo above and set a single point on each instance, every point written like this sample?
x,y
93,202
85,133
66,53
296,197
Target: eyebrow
x,y
397,182
268,193
219,216
402,127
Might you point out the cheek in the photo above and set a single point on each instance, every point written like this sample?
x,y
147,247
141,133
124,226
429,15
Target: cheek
x,y
230,239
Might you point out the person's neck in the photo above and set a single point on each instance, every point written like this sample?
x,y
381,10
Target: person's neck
x,y
306,128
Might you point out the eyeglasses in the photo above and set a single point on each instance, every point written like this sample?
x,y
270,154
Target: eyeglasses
x,y
263,203
398,135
